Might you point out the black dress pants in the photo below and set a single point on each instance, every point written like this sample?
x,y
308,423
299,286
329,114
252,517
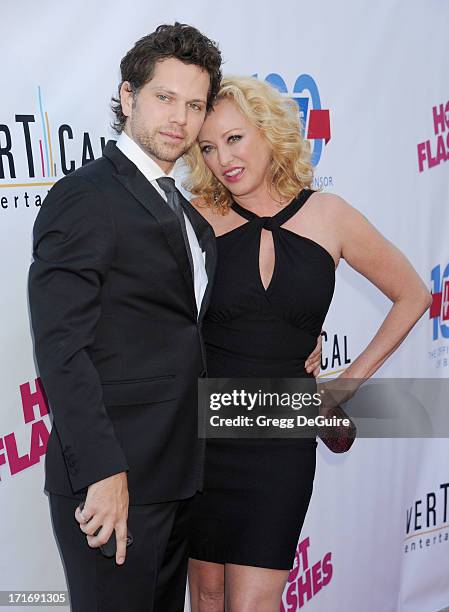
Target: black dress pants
x,y
153,577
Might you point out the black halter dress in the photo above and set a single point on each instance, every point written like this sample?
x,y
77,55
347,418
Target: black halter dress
x,y
257,491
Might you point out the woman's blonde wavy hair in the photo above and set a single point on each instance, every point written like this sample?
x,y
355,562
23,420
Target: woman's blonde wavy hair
x,y
278,119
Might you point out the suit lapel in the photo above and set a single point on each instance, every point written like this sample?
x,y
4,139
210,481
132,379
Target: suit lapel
x,y
142,190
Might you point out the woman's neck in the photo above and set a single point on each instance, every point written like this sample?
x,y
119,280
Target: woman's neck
x,y
261,201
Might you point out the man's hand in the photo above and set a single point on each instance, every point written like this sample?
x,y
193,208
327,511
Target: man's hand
x,y
313,361
106,506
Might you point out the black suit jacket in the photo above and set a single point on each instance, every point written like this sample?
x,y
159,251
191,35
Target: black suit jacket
x,y
117,338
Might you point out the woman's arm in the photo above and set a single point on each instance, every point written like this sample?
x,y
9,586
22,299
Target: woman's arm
x,y
376,258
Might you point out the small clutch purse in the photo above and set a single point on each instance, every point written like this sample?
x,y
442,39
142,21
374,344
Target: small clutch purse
x,y
338,438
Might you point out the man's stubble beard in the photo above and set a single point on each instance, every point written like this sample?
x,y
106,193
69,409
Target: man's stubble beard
x,y
148,141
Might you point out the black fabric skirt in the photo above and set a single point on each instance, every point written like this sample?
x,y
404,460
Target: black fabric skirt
x,y
255,499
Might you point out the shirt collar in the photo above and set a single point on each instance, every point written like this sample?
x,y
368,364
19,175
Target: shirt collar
x,y
144,163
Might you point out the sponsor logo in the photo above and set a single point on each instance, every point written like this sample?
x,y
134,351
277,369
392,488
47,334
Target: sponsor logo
x,y
435,150
18,457
426,520
335,356
306,579
439,315
35,152
314,118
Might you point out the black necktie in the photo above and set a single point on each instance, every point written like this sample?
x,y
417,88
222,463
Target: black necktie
x,y
174,200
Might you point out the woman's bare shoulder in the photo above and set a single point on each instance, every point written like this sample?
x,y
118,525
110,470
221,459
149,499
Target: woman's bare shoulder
x,y
332,207
331,203
328,201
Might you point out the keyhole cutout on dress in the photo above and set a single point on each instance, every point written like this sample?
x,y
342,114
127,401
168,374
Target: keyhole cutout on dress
x,y
267,258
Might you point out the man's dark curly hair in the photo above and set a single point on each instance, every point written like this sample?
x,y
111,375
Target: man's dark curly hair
x,y
181,41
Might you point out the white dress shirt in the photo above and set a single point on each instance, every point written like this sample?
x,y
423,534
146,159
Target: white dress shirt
x,y
152,171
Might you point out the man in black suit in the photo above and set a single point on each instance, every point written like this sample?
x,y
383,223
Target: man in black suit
x,y
120,282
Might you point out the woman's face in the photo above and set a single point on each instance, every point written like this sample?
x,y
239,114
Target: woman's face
x,y
234,150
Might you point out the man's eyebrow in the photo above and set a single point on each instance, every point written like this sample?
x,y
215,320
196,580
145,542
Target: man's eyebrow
x,y
164,89
173,93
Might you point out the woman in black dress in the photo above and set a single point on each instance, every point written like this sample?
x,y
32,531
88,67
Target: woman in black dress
x,y
278,243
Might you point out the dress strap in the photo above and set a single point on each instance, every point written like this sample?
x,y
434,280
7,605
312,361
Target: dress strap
x,y
279,218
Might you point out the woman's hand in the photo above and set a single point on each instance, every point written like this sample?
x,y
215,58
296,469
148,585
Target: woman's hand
x,y
313,361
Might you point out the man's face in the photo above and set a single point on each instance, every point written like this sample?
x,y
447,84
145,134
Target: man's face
x,y
166,114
